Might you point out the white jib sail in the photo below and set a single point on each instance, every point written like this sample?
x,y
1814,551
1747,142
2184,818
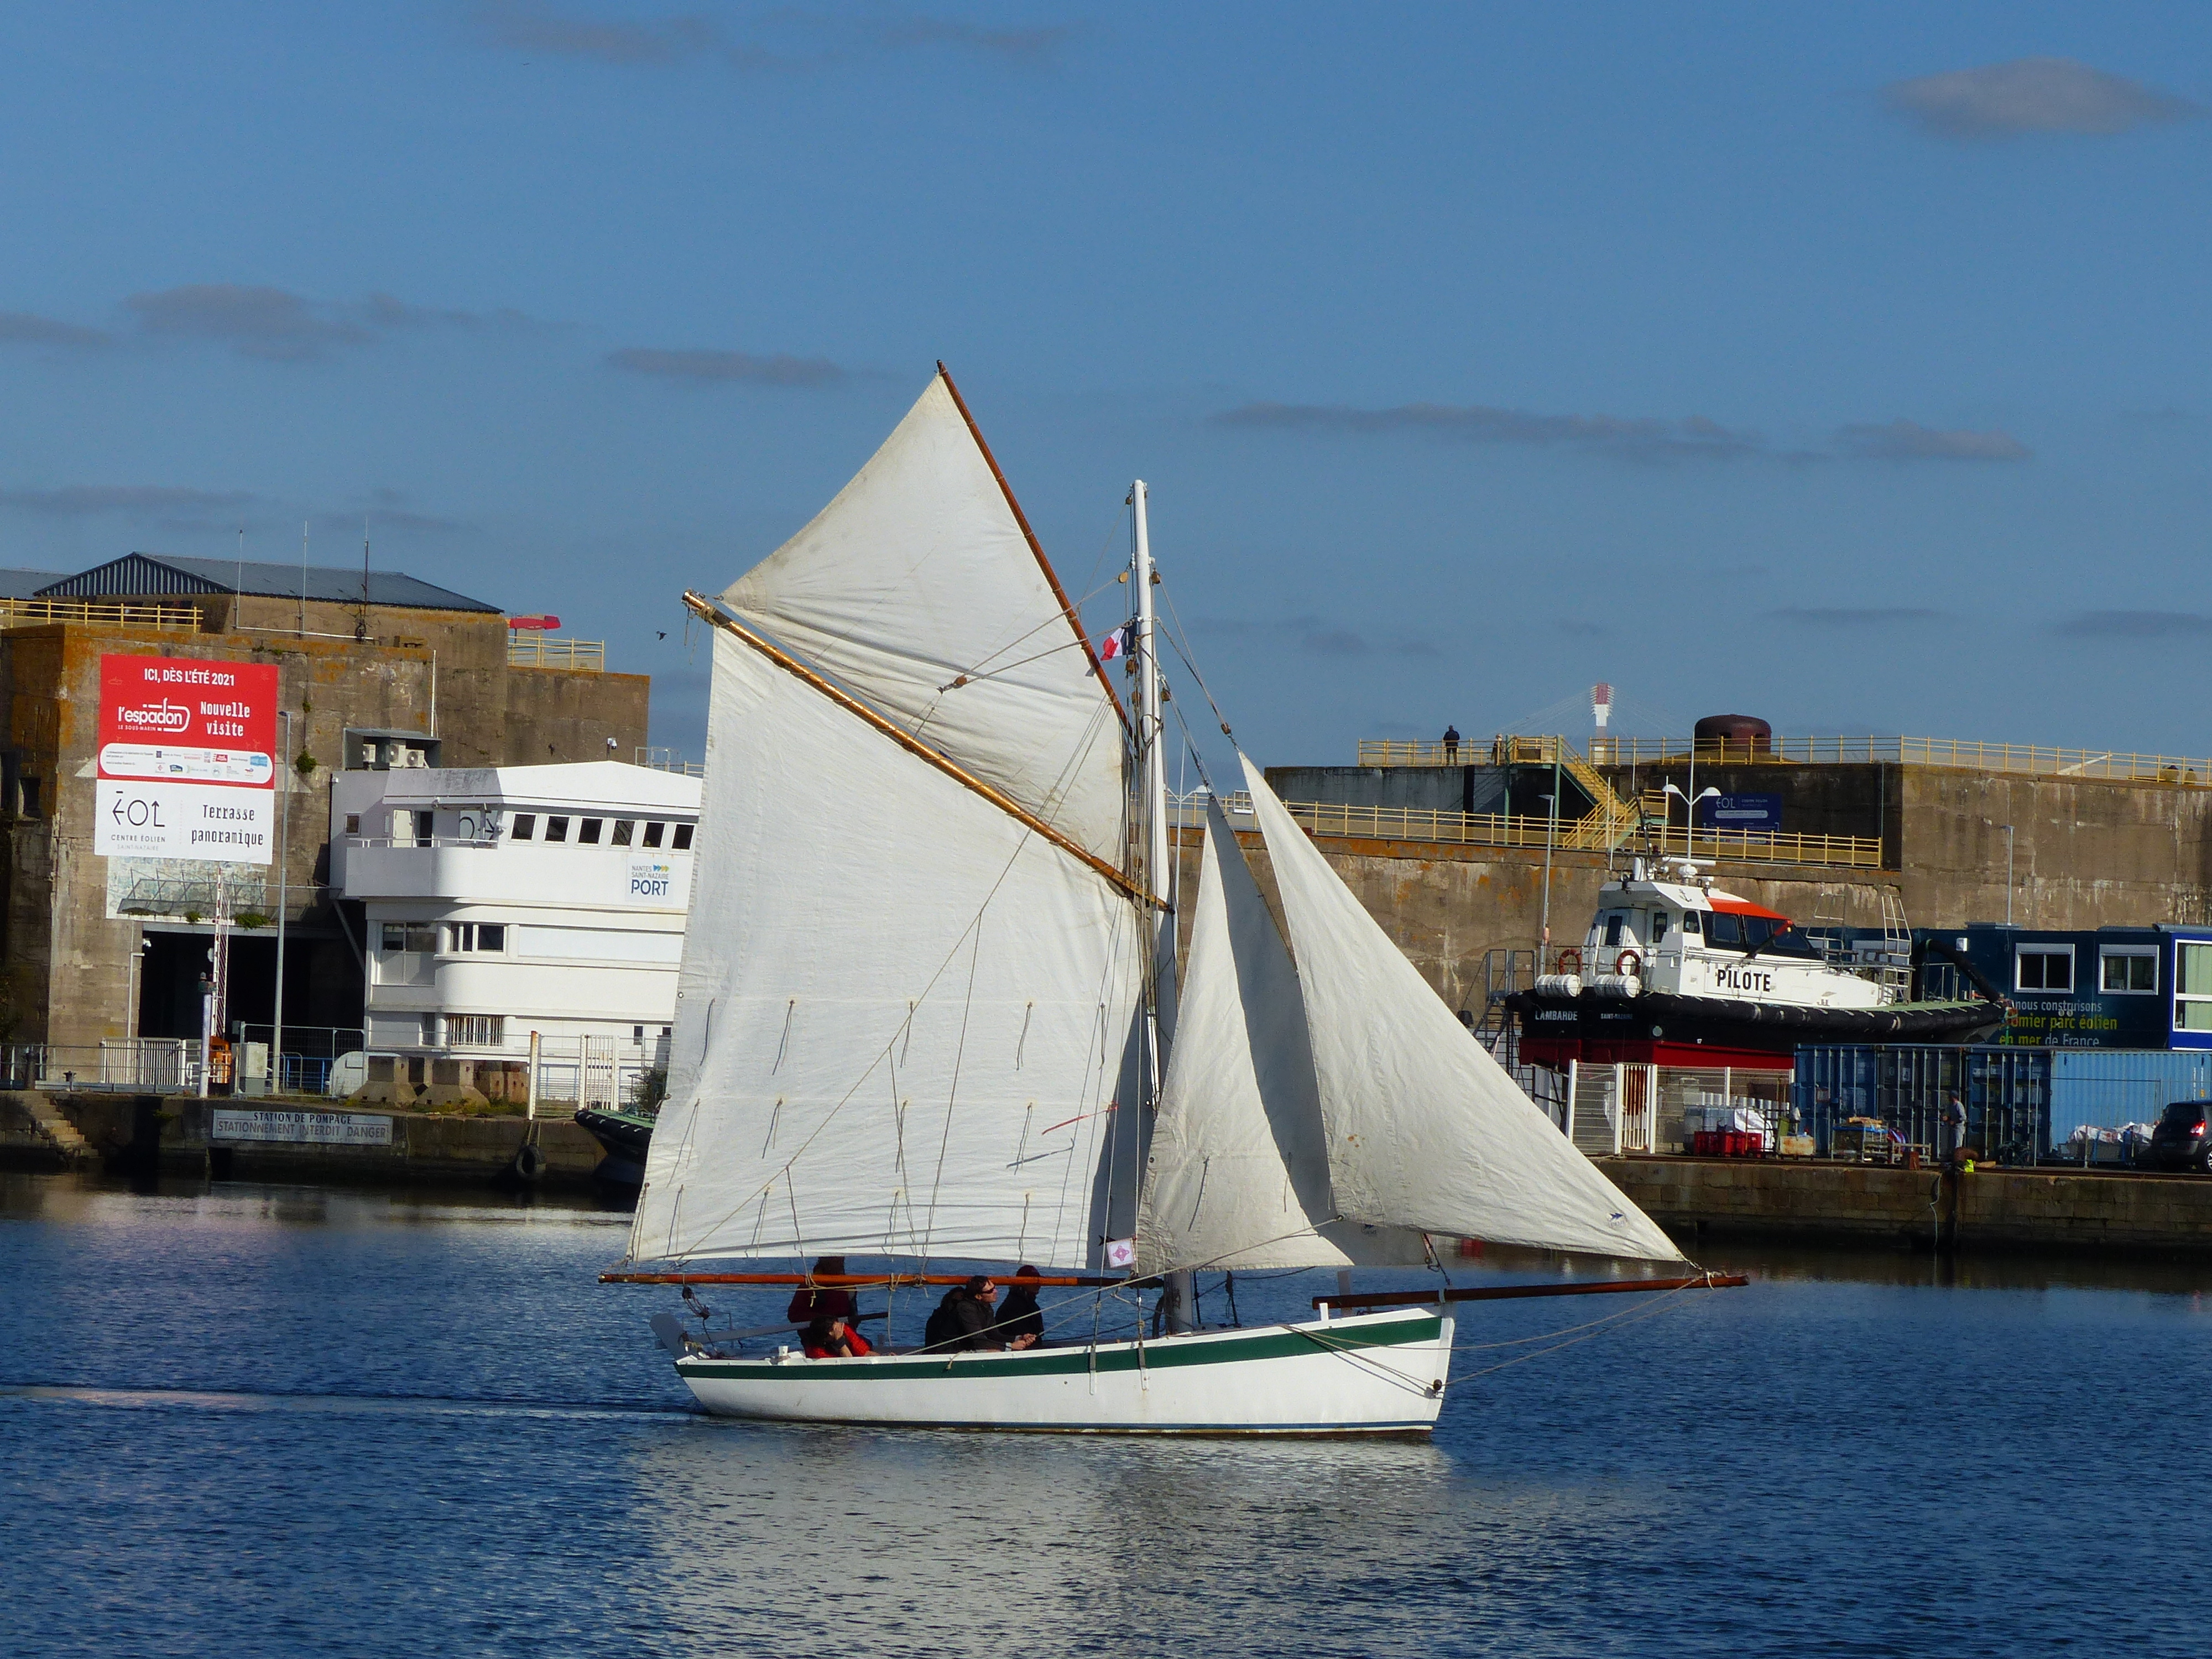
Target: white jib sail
x,y
1425,1129
901,1014
918,574
1238,1173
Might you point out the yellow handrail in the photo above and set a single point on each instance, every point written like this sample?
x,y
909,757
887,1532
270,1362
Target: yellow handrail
x,y
168,618
2034,759
525,649
1501,829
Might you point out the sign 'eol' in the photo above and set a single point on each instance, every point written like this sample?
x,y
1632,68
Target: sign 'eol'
x,y
187,759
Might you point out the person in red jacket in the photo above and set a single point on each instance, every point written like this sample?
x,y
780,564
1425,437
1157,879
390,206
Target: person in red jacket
x,y
809,1304
830,1337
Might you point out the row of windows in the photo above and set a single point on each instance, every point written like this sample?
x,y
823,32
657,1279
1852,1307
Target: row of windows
x,y
485,1031
676,836
2122,970
458,936
415,827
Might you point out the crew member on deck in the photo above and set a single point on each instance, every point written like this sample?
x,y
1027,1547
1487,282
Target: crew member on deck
x,y
964,1320
809,1304
1021,1321
830,1337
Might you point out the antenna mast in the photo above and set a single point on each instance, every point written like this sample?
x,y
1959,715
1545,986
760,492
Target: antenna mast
x,y
361,628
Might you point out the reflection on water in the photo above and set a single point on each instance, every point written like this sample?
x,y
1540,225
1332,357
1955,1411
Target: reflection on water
x,y
246,1420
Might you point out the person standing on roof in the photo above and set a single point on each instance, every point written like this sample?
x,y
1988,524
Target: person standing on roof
x,y
1452,745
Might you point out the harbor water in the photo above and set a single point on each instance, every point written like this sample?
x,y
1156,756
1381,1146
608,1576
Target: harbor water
x,y
242,1420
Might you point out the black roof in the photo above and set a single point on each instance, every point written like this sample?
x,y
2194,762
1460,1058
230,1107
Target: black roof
x,y
22,584
146,575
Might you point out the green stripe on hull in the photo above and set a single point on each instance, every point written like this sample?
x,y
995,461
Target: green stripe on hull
x,y
1158,1356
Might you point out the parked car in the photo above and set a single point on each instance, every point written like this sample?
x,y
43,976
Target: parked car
x,y
2182,1137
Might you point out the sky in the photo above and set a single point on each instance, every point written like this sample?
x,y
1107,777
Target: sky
x,y
1840,366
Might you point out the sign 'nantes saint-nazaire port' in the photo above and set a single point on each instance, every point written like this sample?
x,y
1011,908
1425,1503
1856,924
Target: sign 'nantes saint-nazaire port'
x,y
187,760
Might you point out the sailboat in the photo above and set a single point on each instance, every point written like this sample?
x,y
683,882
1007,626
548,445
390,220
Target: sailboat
x,y
928,1012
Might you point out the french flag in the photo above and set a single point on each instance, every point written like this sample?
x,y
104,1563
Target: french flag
x,y
1118,643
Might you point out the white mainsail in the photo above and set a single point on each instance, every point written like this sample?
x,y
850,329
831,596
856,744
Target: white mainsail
x,y
901,1014
1238,1170
1425,1129
919,575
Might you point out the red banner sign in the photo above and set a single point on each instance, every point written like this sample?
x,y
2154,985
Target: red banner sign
x,y
190,720
187,759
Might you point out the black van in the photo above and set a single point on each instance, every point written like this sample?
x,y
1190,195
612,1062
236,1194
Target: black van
x,y
2182,1137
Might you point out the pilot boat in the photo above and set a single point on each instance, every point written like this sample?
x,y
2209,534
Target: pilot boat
x,y
1675,972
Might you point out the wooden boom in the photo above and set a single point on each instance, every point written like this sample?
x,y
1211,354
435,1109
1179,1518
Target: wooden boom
x,y
854,1281
1513,1292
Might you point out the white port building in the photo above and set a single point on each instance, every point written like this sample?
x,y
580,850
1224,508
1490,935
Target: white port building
x,y
501,900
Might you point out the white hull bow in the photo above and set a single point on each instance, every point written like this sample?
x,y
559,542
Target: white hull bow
x,y
1379,1373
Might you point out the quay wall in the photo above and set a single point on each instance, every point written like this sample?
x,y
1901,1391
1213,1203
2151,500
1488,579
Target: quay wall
x,y
172,1135
1700,1199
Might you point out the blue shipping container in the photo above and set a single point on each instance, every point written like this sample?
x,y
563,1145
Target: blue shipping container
x,y
2106,1088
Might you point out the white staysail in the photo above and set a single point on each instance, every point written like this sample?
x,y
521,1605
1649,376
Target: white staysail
x,y
917,589
901,1014
1238,1171
1425,1129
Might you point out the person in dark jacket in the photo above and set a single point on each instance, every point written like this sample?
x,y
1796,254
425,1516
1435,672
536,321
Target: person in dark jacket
x,y
964,1319
808,1303
1021,1321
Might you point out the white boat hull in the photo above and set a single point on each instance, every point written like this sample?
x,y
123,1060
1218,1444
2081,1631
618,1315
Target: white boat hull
x,y
1380,1373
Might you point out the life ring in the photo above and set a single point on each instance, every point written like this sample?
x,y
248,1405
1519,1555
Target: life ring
x,y
529,1162
1628,965
1560,965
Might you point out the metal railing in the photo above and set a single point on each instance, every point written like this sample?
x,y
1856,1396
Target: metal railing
x,y
131,1065
527,649
667,760
1502,829
2035,759
167,618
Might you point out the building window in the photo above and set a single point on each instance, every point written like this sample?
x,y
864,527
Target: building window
x,y
27,790
526,826
2044,968
653,833
556,828
429,1030
410,936
477,936
475,1031
588,832
353,823
683,841
623,828
2193,987
2128,971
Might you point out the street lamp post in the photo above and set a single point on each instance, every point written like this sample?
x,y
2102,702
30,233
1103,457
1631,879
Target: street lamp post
x,y
283,856
1690,805
1550,834
2008,829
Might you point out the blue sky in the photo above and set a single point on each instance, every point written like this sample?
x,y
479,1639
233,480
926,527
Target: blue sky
x,y
1841,365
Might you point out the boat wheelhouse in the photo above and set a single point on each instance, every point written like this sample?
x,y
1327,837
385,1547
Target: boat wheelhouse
x,y
1675,972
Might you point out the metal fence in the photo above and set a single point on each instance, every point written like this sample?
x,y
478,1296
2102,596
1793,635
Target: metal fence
x,y
1967,756
1504,829
527,649
310,1051
167,618
1856,1097
123,1065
